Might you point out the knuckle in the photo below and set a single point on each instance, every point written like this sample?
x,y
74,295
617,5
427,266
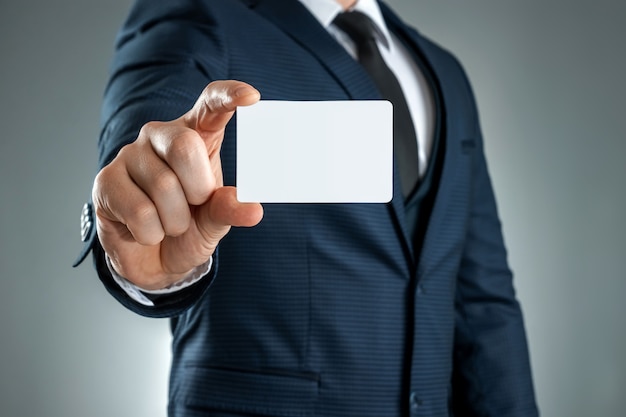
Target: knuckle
x,y
216,98
127,156
184,147
123,153
200,191
100,180
103,181
165,182
149,128
142,214
179,227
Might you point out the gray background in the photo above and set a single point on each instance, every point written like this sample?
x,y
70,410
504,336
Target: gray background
x,y
549,78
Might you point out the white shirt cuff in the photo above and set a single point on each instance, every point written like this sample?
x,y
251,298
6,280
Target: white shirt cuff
x,y
137,293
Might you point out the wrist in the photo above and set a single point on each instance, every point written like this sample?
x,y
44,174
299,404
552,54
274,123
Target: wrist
x,y
139,294
147,281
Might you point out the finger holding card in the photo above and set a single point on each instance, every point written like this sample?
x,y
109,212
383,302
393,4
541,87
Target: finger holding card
x,y
161,205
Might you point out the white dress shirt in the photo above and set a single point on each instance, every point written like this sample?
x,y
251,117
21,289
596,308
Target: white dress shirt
x,y
414,85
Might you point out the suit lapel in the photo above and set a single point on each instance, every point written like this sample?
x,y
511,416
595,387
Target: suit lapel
x,y
446,97
296,21
436,66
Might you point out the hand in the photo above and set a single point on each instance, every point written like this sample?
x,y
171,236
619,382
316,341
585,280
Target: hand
x,y
161,204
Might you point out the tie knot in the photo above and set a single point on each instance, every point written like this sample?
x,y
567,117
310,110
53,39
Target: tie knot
x,y
358,26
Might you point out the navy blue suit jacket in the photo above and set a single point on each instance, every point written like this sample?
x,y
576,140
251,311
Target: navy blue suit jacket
x,y
326,310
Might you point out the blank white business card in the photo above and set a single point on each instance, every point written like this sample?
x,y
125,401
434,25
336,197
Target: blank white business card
x,y
315,152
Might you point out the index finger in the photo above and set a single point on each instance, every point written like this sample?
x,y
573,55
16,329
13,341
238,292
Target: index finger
x,y
217,104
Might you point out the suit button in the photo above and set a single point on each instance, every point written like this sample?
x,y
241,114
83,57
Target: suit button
x,y
86,222
414,403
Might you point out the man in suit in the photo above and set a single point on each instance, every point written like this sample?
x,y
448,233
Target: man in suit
x,y
404,308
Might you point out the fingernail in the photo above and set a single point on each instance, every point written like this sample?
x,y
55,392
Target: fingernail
x,y
242,91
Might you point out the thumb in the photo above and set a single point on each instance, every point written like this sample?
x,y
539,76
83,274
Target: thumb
x,y
223,211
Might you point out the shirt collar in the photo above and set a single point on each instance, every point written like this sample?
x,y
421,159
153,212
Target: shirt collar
x,y
325,12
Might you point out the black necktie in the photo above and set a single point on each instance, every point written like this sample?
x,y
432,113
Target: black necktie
x,y
360,28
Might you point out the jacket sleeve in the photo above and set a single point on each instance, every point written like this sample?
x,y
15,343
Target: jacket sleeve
x,y
165,55
492,375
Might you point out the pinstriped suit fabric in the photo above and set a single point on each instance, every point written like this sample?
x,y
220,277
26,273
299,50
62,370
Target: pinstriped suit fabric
x,y
326,310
